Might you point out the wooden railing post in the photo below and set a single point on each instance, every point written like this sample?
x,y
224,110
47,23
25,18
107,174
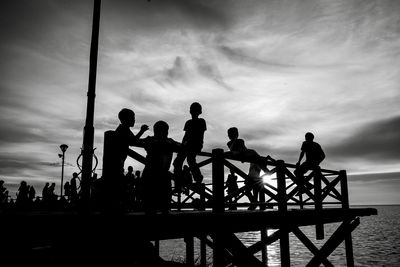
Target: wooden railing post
x,y
264,250
218,204
282,207
189,250
319,228
203,247
345,205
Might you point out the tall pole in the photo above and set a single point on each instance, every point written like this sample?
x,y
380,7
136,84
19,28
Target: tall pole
x,y
62,174
88,131
63,148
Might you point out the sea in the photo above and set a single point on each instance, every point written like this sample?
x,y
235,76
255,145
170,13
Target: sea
x,y
376,242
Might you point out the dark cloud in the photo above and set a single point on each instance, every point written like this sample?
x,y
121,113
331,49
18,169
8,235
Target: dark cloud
x,y
18,132
212,72
178,72
157,15
378,140
240,56
374,177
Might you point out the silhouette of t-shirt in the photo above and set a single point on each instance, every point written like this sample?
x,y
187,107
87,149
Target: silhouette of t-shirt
x,y
159,152
124,138
313,151
237,145
194,133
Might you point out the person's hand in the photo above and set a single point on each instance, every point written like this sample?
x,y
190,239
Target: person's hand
x,y
144,128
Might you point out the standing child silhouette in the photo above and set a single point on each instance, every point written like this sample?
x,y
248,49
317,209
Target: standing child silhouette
x,y
192,143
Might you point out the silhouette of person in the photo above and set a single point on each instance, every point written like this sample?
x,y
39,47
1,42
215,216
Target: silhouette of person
x,y
31,193
125,136
67,191
22,196
192,143
232,186
130,186
156,176
237,147
138,187
74,187
254,183
124,139
314,156
45,193
2,192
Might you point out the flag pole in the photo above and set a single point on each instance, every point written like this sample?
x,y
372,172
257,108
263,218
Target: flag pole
x,y
88,131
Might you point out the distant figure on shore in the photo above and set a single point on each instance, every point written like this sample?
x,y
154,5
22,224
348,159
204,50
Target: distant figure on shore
x,y
232,186
130,183
22,196
156,176
192,143
314,156
2,192
31,194
74,187
67,190
45,192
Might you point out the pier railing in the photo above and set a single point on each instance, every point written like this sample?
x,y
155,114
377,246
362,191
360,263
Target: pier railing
x,y
280,188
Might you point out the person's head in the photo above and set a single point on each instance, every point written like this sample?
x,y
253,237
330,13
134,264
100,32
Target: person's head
x,y
47,184
195,109
127,117
130,169
309,136
160,129
233,133
74,175
1,182
137,173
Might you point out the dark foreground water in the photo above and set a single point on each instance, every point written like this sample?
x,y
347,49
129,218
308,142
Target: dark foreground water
x,y
376,242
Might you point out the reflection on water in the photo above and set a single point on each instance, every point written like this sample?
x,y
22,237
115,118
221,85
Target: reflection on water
x,y
376,242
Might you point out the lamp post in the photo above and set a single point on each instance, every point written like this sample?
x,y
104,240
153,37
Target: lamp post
x,y
63,148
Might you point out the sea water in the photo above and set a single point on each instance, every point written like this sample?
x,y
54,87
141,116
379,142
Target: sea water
x,y
376,242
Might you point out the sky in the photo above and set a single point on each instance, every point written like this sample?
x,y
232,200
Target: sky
x,y
274,69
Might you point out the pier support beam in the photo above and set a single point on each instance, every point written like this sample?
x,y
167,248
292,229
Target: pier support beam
x,y
345,205
282,207
218,204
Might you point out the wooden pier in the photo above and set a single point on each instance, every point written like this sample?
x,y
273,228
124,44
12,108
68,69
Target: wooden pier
x,y
283,209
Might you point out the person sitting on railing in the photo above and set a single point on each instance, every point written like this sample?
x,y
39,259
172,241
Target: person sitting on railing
x,y
192,143
314,156
238,148
156,176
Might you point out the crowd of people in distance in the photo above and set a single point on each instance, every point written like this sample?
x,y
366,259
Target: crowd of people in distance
x,y
152,191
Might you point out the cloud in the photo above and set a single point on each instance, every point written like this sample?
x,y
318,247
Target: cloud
x,y
375,177
376,141
212,72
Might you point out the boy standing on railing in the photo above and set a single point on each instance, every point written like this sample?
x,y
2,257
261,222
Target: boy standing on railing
x,y
192,143
156,176
314,156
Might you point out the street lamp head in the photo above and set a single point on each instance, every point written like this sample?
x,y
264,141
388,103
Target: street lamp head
x,y
63,147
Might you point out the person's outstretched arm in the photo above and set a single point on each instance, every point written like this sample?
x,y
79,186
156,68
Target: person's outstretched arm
x,y
142,130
